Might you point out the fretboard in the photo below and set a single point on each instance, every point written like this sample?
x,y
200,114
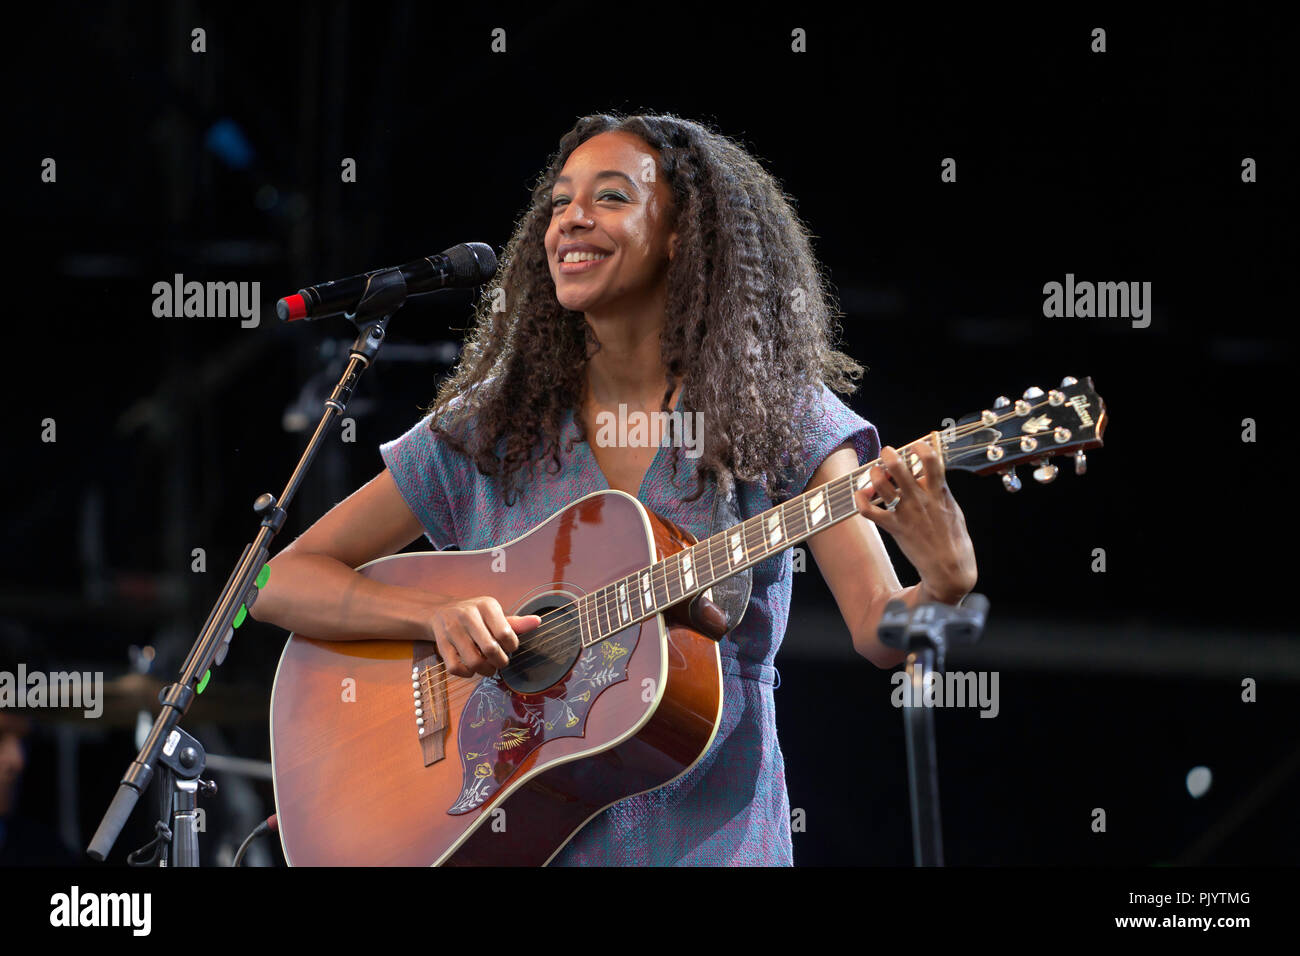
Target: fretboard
x,y
628,600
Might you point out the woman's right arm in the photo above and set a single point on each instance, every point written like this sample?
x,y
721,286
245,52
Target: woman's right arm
x,y
314,590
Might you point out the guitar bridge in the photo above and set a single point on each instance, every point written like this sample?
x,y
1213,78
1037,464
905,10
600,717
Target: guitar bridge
x,y
429,695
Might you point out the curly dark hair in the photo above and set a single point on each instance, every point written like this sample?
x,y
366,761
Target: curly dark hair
x,y
750,322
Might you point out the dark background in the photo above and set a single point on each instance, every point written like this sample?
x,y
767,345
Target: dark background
x,y
1122,166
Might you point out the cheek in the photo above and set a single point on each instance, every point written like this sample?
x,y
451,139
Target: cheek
x,y
635,233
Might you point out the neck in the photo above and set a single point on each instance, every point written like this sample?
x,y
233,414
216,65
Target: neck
x,y
628,368
682,575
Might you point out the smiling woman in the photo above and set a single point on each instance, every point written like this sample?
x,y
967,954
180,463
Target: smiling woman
x,y
658,271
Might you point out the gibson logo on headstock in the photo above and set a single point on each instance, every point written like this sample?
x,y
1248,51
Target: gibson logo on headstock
x,y
1080,405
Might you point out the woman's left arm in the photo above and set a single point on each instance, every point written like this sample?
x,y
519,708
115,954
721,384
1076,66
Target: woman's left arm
x,y
928,526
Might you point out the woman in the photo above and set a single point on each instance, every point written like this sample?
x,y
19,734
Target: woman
x,y
658,268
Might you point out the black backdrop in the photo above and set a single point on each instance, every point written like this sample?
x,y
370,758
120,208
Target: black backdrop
x,y
1117,166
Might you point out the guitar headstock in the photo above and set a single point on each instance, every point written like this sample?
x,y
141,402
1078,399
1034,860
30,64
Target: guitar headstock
x,y
1037,427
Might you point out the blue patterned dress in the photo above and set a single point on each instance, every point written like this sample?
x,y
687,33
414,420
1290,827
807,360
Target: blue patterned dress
x,y
732,807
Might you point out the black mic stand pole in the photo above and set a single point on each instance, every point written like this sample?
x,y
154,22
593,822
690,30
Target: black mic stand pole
x,y
181,756
924,632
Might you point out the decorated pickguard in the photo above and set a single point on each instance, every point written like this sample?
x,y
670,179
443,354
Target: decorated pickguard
x,y
499,728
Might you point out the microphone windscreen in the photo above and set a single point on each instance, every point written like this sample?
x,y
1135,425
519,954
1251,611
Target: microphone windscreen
x,y
291,308
473,263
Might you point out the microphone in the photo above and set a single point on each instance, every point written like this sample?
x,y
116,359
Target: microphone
x,y
462,266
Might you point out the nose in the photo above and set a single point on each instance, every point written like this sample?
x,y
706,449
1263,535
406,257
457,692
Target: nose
x,y
573,216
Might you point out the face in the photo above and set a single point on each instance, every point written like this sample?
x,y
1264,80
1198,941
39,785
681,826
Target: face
x,y
12,731
611,213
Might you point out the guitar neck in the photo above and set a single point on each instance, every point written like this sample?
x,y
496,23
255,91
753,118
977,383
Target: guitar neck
x,y
1037,427
682,575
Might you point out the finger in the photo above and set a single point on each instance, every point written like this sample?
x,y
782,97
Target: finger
x,y
931,463
935,464
495,619
882,484
900,472
493,655
873,512
451,657
463,637
523,623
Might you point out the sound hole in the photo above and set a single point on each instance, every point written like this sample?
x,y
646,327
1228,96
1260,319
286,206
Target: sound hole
x,y
548,653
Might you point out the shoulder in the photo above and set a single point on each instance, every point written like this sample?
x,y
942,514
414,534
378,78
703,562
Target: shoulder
x,y
828,423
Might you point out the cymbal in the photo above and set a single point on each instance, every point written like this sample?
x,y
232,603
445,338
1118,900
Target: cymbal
x,y
124,697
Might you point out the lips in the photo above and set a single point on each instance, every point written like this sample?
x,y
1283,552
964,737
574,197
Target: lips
x,y
573,268
566,247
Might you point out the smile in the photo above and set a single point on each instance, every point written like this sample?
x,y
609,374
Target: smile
x,y
576,262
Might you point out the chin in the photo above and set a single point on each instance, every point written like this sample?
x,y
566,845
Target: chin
x,y
576,303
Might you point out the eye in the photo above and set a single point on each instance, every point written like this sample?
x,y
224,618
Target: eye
x,y
608,194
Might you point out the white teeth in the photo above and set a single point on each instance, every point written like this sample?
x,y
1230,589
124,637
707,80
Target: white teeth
x,y
585,256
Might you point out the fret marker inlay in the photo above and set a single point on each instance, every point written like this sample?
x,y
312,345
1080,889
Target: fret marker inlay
x,y
817,507
774,529
623,610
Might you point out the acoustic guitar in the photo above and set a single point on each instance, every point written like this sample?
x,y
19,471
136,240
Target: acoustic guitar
x,y
381,758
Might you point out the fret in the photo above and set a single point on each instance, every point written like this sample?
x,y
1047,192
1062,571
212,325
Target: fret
x,y
775,531
794,509
844,490
610,599
686,562
602,614
815,506
752,527
662,594
634,596
708,550
584,618
624,610
677,561
647,591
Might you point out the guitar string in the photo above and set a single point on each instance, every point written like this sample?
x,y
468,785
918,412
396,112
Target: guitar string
x,y
564,616
560,625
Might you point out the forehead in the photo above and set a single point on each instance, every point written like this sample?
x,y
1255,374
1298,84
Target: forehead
x,y
611,150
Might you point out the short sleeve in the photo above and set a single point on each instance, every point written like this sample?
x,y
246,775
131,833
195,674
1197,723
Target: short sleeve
x,y
425,473
827,424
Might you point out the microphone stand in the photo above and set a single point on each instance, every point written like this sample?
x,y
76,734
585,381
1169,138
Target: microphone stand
x,y
925,632
181,757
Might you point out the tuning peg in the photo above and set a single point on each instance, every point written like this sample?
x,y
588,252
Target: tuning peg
x,y
1032,392
1080,462
1046,472
1001,402
1068,381
1010,481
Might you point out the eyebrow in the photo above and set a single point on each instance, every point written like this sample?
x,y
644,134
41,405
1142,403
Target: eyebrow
x,y
603,174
